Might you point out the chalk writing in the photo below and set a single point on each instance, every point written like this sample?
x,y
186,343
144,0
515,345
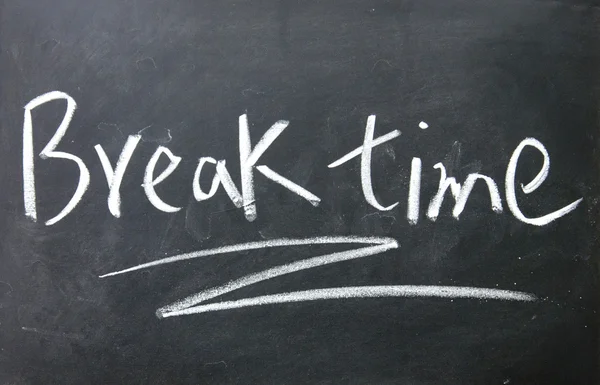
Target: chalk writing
x,y
376,245
244,199
249,157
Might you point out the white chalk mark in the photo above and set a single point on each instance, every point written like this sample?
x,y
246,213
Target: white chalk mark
x,y
150,182
105,162
365,167
275,177
267,139
28,164
247,175
305,264
461,194
357,151
404,291
249,157
511,196
114,178
280,242
414,192
465,191
423,125
445,183
48,152
544,171
376,245
198,193
229,185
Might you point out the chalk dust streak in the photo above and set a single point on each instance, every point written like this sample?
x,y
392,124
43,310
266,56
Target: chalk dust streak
x,y
361,292
373,246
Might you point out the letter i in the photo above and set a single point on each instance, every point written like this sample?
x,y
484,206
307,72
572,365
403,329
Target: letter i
x,y
414,192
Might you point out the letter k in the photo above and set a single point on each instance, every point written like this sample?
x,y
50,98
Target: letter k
x,y
248,159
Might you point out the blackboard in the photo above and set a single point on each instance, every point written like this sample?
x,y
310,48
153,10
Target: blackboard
x,y
299,192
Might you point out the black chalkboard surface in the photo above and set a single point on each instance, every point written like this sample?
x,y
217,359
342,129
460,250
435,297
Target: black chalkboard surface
x,y
299,192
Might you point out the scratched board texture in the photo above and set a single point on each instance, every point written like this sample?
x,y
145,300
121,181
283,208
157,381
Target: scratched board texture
x,y
483,75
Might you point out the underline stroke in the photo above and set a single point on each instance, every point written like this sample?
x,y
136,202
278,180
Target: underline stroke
x,y
374,245
361,292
